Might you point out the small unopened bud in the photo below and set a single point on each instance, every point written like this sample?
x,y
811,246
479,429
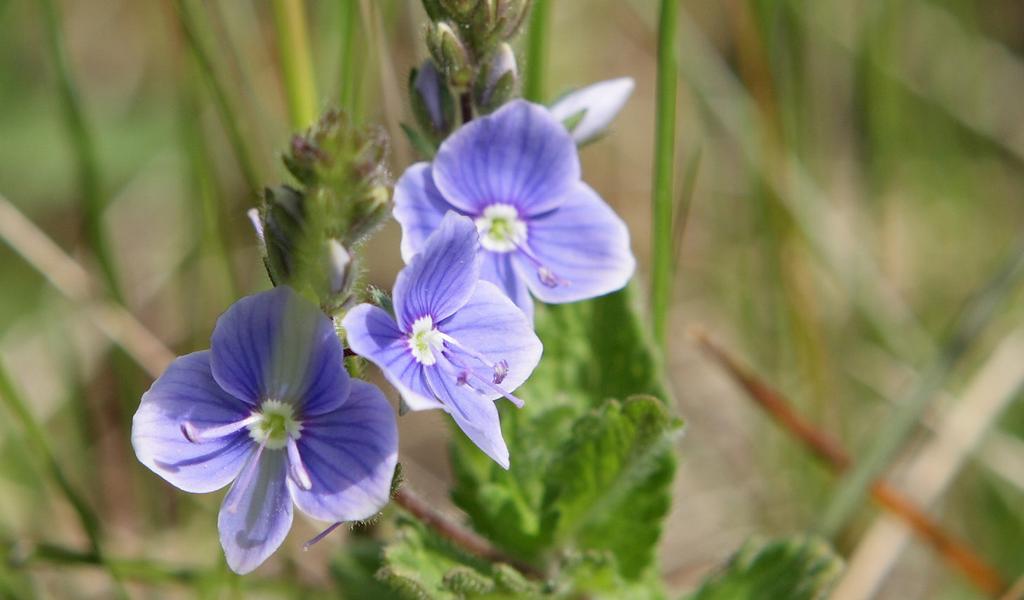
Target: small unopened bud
x,y
496,82
459,9
510,16
432,102
450,54
339,263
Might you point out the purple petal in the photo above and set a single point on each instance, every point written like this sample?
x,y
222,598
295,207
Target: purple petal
x,y
493,327
519,155
373,334
278,345
497,268
584,244
187,393
256,514
419,208
475,414
599,103
440,279
350,455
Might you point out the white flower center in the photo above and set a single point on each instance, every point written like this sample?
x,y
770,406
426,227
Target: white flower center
x,y
275,425
500,228
424,340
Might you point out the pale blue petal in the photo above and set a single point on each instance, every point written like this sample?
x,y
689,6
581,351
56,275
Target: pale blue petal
x,y
519,155
350,455
497,268
584,243
440,279
278,345
492,326
373,334
474,413
419,208
256,514
187,392
599,103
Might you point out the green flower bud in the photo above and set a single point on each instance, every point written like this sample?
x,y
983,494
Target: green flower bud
x,y
432,101
496,82
450,54
464,580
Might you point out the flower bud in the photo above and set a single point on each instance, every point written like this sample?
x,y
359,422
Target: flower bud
x,y
509,17
432,102
496,82
459,9
450,54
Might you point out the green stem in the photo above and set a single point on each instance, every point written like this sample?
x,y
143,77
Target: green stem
x,y
192,27
36,437
349,94
296,61
664,167
972,320
537,51
84,147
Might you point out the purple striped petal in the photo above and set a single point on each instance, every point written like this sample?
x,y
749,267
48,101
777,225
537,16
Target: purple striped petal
x,y
493,328
476,415
278,345
497,268
584,244
373,334
440,279
187,393
519,155
350,456
256,514
419,208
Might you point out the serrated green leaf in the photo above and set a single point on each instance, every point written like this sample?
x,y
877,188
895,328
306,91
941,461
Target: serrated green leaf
x,y
611,488
593,351
597,575
797,568
419,564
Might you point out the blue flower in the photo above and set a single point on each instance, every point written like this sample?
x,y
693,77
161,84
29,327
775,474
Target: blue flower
x,y
516,173
271,408
593,107
455,342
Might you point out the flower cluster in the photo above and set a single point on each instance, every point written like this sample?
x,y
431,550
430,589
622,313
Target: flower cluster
x,y
499,217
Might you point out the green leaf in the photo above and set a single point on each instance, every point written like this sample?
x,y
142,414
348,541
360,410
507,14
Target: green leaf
x,y
596,575
593,351
611,488
796,568
419,564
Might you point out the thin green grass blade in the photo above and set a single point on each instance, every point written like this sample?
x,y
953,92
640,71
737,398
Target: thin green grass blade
x,y
664,168
350,71
971,322
537,50
84,147
296,62
192,25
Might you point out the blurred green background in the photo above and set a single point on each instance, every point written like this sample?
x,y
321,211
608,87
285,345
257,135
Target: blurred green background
x,y
851,173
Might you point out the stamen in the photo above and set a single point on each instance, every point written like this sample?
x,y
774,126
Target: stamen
x,y
500,371
296,468
245,479
465,373
321,535
197,435
546,275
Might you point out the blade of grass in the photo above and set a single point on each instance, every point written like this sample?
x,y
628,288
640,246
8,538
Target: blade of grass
x,y
192,26
72,281
36,437
682,209
932,470
664,168
969,324
350,71
537,50
84,147
296,62
955,552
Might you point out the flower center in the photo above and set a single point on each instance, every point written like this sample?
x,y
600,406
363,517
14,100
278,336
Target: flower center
x,y
424,340
500,228
275,424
